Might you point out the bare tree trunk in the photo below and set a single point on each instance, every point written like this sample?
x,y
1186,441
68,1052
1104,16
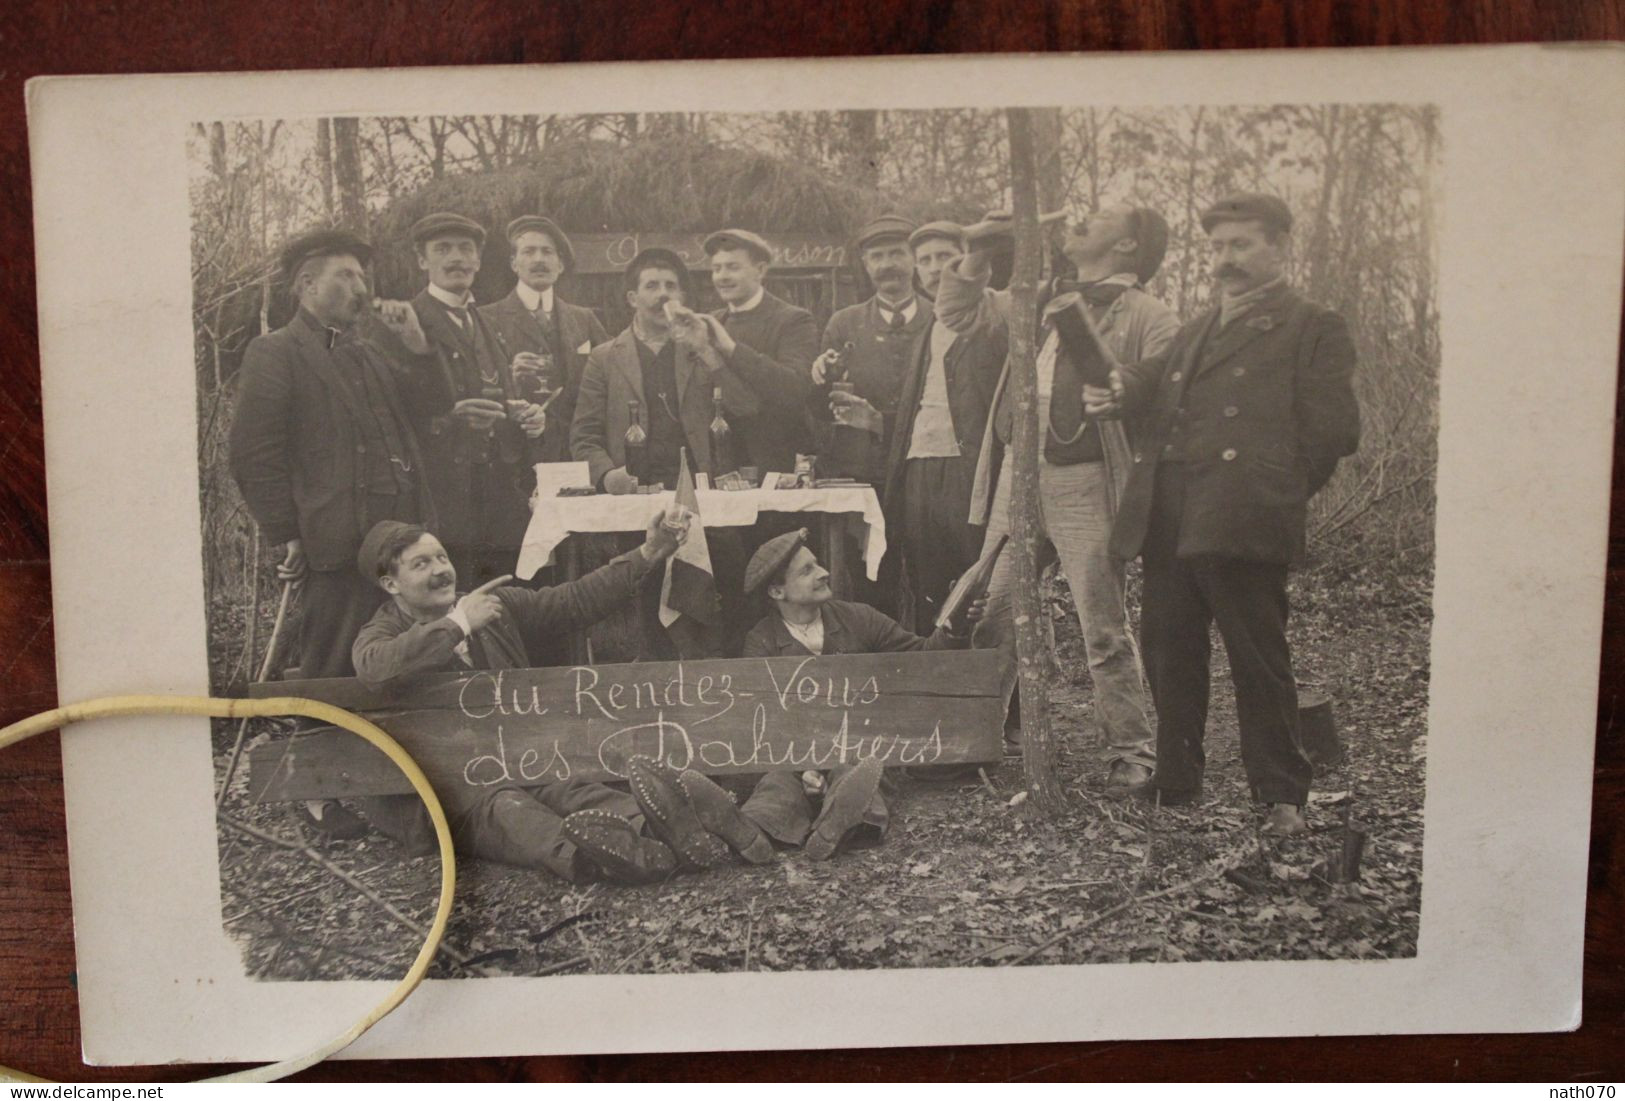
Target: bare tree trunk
x,y
1051,192
1038,753
347,173
862,160
324,164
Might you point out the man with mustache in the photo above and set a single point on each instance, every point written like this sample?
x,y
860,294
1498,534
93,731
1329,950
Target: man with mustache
x,y
1248,412
767,343
323,446
665,362
573,829
1115,251
871,341
543,333
941,413
480,453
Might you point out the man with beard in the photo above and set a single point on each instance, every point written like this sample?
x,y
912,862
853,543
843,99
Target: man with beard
x,y
323,447
573,829
871,342
544,334
1116,252
767,343
665,363
941,413
479,454
1248,412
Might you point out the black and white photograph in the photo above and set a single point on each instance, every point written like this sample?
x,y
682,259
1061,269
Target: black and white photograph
x,y
657,480
878,552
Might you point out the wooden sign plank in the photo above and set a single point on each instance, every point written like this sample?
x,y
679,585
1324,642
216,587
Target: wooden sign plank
x,y
745,715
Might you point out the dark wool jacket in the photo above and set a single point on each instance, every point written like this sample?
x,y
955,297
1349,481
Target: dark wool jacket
x,y
1258,413
579,332
849,628
393,648
777,345
296,445
457,454
878,367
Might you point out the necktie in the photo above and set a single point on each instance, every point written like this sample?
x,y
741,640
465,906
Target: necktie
x,y
459,314
898,321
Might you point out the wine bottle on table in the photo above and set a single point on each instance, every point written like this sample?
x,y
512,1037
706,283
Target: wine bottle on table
x,y
721,438
637,441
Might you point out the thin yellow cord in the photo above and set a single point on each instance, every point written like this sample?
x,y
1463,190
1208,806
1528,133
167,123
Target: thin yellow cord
x,y
114,706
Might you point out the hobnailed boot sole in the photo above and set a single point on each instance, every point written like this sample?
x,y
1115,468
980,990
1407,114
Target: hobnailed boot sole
x,y
610,842
722,817
671,816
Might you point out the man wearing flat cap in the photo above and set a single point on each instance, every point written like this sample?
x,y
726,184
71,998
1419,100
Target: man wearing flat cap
x,y
868,344
664,366
1115,252
805,619
767,343
323,446
573,829
943,407
322,442
479,453
1246,415
545,335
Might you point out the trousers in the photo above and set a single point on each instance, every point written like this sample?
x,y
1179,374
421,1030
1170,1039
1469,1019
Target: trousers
x,y
1073,516
939,543
1248,602
783,810
507,824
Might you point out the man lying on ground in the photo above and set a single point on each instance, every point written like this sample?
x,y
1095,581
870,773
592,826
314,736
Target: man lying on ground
x,y
807,619
574,829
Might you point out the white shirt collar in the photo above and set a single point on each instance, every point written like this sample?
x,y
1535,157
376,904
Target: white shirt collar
x,y
907,311
755,300
456,302
534,299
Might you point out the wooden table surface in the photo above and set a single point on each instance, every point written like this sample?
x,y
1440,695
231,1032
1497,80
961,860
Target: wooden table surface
x,y
39,1013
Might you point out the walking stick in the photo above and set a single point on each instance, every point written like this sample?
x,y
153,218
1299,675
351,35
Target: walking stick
x,y
265,671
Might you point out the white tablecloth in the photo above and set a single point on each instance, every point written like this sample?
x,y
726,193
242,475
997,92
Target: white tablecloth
x,y
556,517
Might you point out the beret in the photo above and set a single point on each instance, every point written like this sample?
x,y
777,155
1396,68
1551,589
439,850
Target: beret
x,y
953,231
366,559
770,556
322,242
739,238
884,228
529,223
1248,206
446,224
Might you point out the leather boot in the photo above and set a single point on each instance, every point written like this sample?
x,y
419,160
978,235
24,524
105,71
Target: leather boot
x,y
720,816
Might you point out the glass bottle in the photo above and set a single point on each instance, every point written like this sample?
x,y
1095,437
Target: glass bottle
x,y
637,439
721,437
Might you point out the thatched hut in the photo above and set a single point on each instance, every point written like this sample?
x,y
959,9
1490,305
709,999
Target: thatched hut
x,y
613,199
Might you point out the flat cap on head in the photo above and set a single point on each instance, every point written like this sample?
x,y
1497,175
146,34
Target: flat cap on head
x,y
446,224
368,558
322,242
536,223
1249,206
752,243
887,227
771,556
951,231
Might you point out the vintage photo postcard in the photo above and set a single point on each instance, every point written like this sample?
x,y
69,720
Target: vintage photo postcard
x,y
867,552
